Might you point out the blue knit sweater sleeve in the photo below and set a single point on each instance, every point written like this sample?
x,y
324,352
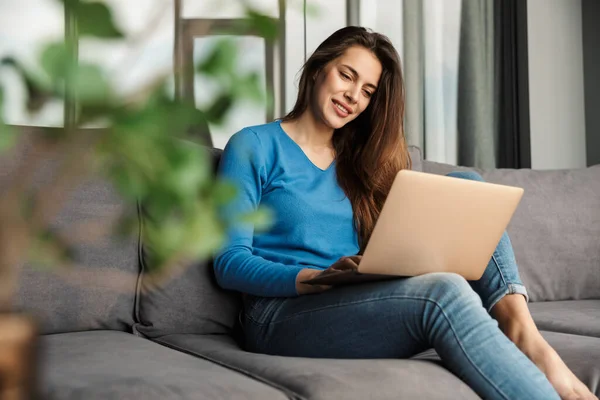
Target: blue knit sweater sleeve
x,y
245,164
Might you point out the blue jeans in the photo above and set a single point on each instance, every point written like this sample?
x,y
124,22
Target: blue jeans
x,y
401,318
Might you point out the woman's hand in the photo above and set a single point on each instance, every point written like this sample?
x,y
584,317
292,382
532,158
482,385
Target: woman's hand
x,y
304,288
344,263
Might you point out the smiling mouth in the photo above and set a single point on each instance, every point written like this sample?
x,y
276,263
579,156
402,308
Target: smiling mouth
x,y
342,108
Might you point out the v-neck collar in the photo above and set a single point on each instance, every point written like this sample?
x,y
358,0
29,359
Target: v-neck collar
x,y
278,122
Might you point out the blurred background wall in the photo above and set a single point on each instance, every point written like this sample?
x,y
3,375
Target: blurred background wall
x,y
434,37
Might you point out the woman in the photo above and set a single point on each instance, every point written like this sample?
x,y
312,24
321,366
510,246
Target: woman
x,y
325,170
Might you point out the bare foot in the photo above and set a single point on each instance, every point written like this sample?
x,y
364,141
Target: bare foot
x,y
516,322
568,386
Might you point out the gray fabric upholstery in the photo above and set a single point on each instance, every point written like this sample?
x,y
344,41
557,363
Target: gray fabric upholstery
x,y
433,167
117,365
98,292
555,231
579,317
331,378
416,156
191,302
580,353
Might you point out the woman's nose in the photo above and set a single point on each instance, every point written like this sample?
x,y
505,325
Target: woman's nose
x,y
351,95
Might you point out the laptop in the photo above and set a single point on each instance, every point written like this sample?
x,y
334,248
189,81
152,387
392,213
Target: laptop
x,y
432,223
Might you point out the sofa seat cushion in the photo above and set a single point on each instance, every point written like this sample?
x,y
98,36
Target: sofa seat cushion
x,y
118,365
579,317
331,378
580,353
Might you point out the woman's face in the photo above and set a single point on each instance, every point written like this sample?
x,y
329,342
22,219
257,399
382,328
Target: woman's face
x,y
345,87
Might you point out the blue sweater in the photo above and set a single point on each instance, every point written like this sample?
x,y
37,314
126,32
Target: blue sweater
x,y
313,225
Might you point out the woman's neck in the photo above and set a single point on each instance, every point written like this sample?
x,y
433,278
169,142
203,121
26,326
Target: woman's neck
x,y
306,130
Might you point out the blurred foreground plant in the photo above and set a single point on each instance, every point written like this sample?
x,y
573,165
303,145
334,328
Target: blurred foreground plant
x,y
141,148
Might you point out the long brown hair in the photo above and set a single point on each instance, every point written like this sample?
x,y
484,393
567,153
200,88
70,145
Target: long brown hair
x,y
371,149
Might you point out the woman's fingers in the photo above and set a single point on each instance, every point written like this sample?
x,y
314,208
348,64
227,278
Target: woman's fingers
x,y
345,263
356,259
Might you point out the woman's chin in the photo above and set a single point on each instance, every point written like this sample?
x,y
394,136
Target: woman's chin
x,y
330,119
335,122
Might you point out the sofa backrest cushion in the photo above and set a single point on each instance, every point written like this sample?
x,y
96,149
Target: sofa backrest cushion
x,y
189,302
555,231
416,157
192,302
97,291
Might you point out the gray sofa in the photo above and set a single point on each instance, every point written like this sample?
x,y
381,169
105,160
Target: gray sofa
x,y
107,334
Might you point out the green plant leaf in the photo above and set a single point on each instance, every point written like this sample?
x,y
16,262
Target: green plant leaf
x,y
221,59
91,113
262,218
182,118
128,180
263,25
312,10
223,192
8,137
48,249
219,108
198,127
55,59
249,87
89,84
8,134
96,20
70,3
254,23
205,233
185,177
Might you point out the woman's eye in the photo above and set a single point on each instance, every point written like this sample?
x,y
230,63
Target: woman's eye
x,y
367,93
345,76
